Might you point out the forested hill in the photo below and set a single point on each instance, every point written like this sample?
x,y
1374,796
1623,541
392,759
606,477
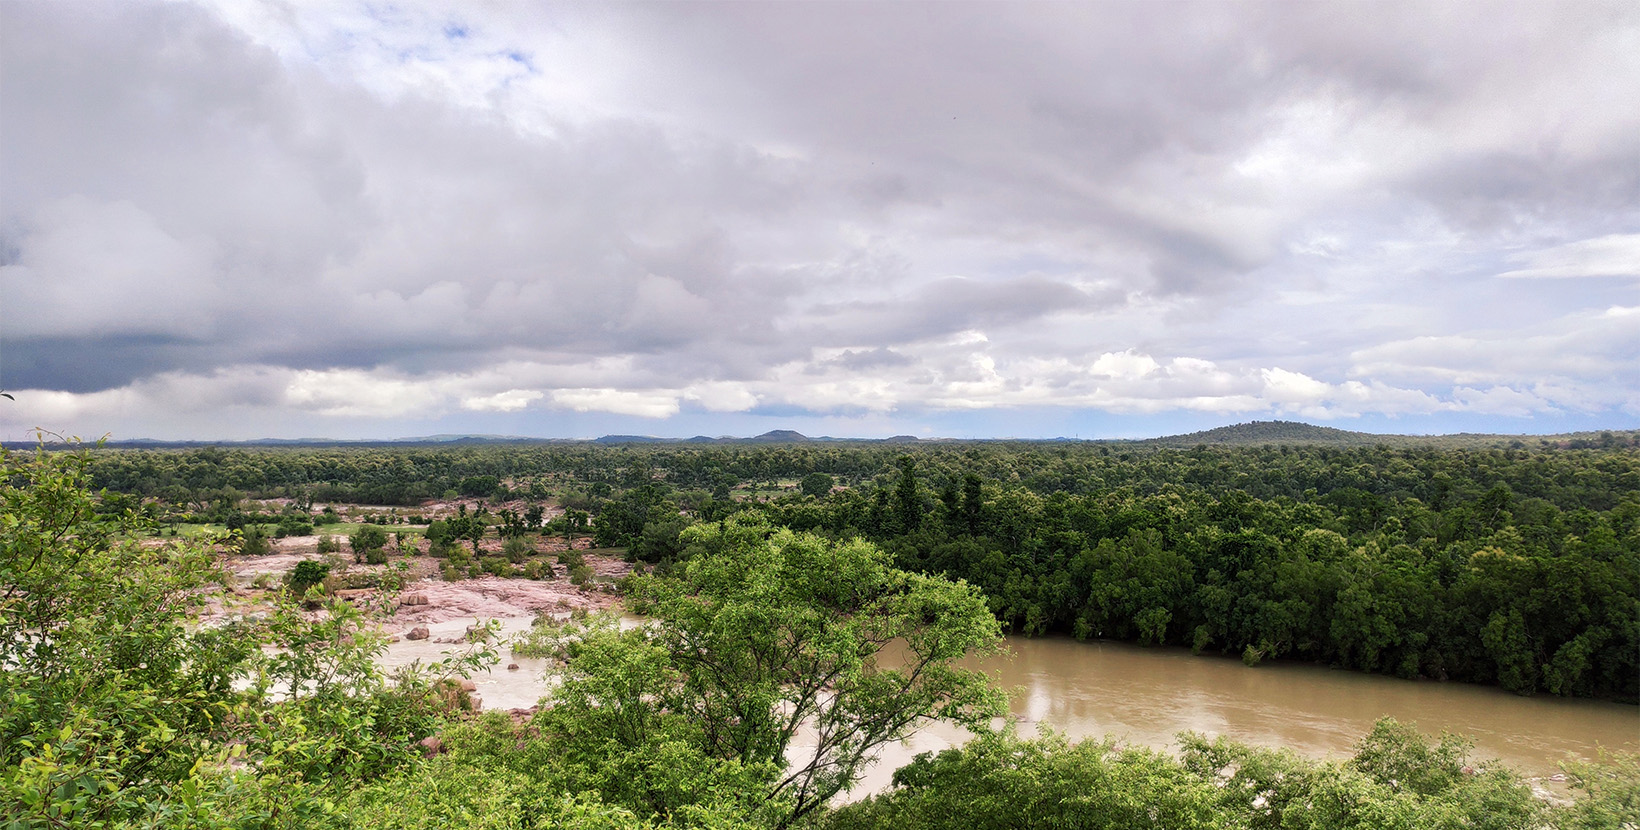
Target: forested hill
x,y
1272,432
1295,433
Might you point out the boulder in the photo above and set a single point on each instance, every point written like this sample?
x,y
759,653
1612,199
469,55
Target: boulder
x,y
512,667
420,632
431,745
413,599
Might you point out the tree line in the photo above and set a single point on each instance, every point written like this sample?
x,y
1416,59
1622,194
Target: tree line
x,y
1515,566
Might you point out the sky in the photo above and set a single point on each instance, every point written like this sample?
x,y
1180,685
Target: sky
x,y
228,220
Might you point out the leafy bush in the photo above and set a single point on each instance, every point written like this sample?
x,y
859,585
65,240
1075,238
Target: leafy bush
x,y
368,543
328,544
1396,779
293,525
253,541
305,575
516,549
441,539
580,574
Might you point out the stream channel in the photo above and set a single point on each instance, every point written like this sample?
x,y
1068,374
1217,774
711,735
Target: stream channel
x,y
1146,696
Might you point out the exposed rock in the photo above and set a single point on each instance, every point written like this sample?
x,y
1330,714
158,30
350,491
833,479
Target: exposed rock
x,y
432,745
468,685
420,632
512,667
413,599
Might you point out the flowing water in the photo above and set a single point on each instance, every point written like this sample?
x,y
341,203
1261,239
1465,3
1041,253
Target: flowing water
x,y
1146,696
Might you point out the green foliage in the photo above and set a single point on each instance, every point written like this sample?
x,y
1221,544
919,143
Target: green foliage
x,y
328,544
516,549
621,521
253,541
1610,794
369,543
1397,779
662,539
817,485
441,539
763,631
293,525
306,574
580,575
121,711
998,781
479,486
109,697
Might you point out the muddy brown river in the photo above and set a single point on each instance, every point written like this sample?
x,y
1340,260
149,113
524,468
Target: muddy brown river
x,y
1146,696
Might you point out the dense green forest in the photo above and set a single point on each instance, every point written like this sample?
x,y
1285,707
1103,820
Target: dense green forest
x,y
1505,564
773,597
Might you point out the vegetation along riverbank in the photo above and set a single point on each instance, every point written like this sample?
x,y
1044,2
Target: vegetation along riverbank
x,y
176,654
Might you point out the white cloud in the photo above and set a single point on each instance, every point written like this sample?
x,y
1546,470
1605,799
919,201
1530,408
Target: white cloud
x,y
1293,388
1126,365
618,401
354,393
1613,255
511,400
721,397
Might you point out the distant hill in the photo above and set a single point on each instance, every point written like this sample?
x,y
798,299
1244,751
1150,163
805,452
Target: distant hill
x,y
1259,433
780,436
1273,432
1256,433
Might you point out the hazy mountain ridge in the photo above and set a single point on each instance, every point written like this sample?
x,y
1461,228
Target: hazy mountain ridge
x,y
1252,433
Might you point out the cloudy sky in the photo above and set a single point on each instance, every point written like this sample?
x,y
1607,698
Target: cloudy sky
x,y
276,218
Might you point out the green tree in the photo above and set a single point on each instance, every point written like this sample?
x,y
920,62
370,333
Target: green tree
x,y
253,541
817,485
908,508
368,543
109,697
763,633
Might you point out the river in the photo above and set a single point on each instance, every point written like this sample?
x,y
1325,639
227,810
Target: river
x,y
1146,696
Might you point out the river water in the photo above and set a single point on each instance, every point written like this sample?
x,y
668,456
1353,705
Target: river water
x,y
1145,696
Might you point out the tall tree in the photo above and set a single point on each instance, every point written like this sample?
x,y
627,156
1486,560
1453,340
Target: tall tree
x,y
781,652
